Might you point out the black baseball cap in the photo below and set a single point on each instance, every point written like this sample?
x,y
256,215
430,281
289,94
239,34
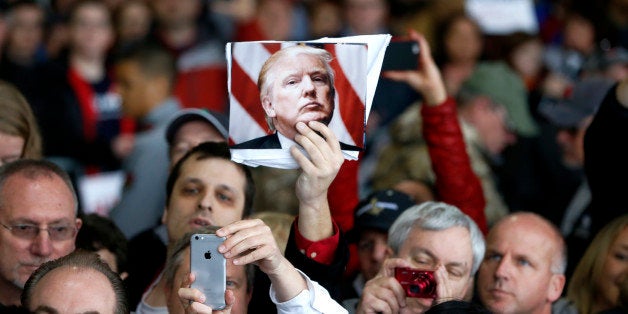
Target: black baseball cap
x,y
378,211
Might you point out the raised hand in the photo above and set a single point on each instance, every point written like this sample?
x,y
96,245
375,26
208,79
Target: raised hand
x,y
426,79
318,171
251,241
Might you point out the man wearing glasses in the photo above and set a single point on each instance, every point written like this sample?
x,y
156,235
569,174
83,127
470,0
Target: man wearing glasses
x,y
38,222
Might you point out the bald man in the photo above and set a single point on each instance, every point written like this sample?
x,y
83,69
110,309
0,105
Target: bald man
x,y
524,265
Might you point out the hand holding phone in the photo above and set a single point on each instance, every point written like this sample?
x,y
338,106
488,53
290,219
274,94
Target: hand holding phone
x,y
425,78
209,267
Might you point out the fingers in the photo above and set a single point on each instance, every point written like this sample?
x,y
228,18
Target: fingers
x,y
400,76
425,57
232,228
389,265
320,143
382,294
248,241
192,299
444,289
229,300
187,294
388,271
198,308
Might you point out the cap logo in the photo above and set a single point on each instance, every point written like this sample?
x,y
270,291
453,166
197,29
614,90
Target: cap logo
x,y
374,208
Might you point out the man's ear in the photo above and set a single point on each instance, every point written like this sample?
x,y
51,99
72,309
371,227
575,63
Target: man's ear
x,y
268,107
164,216
555,287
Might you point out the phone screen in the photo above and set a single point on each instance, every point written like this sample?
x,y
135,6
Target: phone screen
x,y
401,55
209,267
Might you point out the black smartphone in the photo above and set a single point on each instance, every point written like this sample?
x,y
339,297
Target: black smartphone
x,y
401,55
209,267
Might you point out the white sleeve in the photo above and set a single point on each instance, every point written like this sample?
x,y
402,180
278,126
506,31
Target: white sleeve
x,y
315,299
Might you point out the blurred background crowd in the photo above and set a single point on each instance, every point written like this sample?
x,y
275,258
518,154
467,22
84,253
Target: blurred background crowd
x,y
525,96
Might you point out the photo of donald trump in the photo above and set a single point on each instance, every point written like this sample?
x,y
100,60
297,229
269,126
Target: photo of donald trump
x,y
296,84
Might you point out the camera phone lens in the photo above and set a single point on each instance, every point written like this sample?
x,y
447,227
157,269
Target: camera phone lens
x,y
415,289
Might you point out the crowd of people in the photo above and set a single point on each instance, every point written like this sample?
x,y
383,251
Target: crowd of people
x,y
494,169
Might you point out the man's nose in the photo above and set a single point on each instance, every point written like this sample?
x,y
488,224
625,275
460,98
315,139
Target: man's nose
x,y
205,201
308,87
503,268
42,245
380,251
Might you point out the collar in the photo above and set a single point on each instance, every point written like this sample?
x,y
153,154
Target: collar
x,y
285,142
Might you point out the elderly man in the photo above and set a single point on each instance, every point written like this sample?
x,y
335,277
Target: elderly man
x,y
38,209
77,283
523,270
296,85
435,237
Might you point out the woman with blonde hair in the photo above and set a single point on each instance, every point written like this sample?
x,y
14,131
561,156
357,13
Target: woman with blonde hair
x,y
596,283
19,134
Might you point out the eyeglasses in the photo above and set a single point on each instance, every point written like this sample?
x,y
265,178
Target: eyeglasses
x,y
30,232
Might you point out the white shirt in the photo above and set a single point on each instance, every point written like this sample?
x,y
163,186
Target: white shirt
x,y
315,299
144,308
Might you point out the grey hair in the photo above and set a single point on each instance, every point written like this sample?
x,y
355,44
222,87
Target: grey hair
x,y
436,216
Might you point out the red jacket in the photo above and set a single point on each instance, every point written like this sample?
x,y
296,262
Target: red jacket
x,y
456,183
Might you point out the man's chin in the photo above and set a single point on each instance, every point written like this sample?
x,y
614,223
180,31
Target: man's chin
x,y
20,281
315,116
419,304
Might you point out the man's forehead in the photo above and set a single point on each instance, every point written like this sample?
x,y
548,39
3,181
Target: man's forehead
x,y
522,240
236,271
221,169
522,228
296,63
451,245
53,189
197,129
